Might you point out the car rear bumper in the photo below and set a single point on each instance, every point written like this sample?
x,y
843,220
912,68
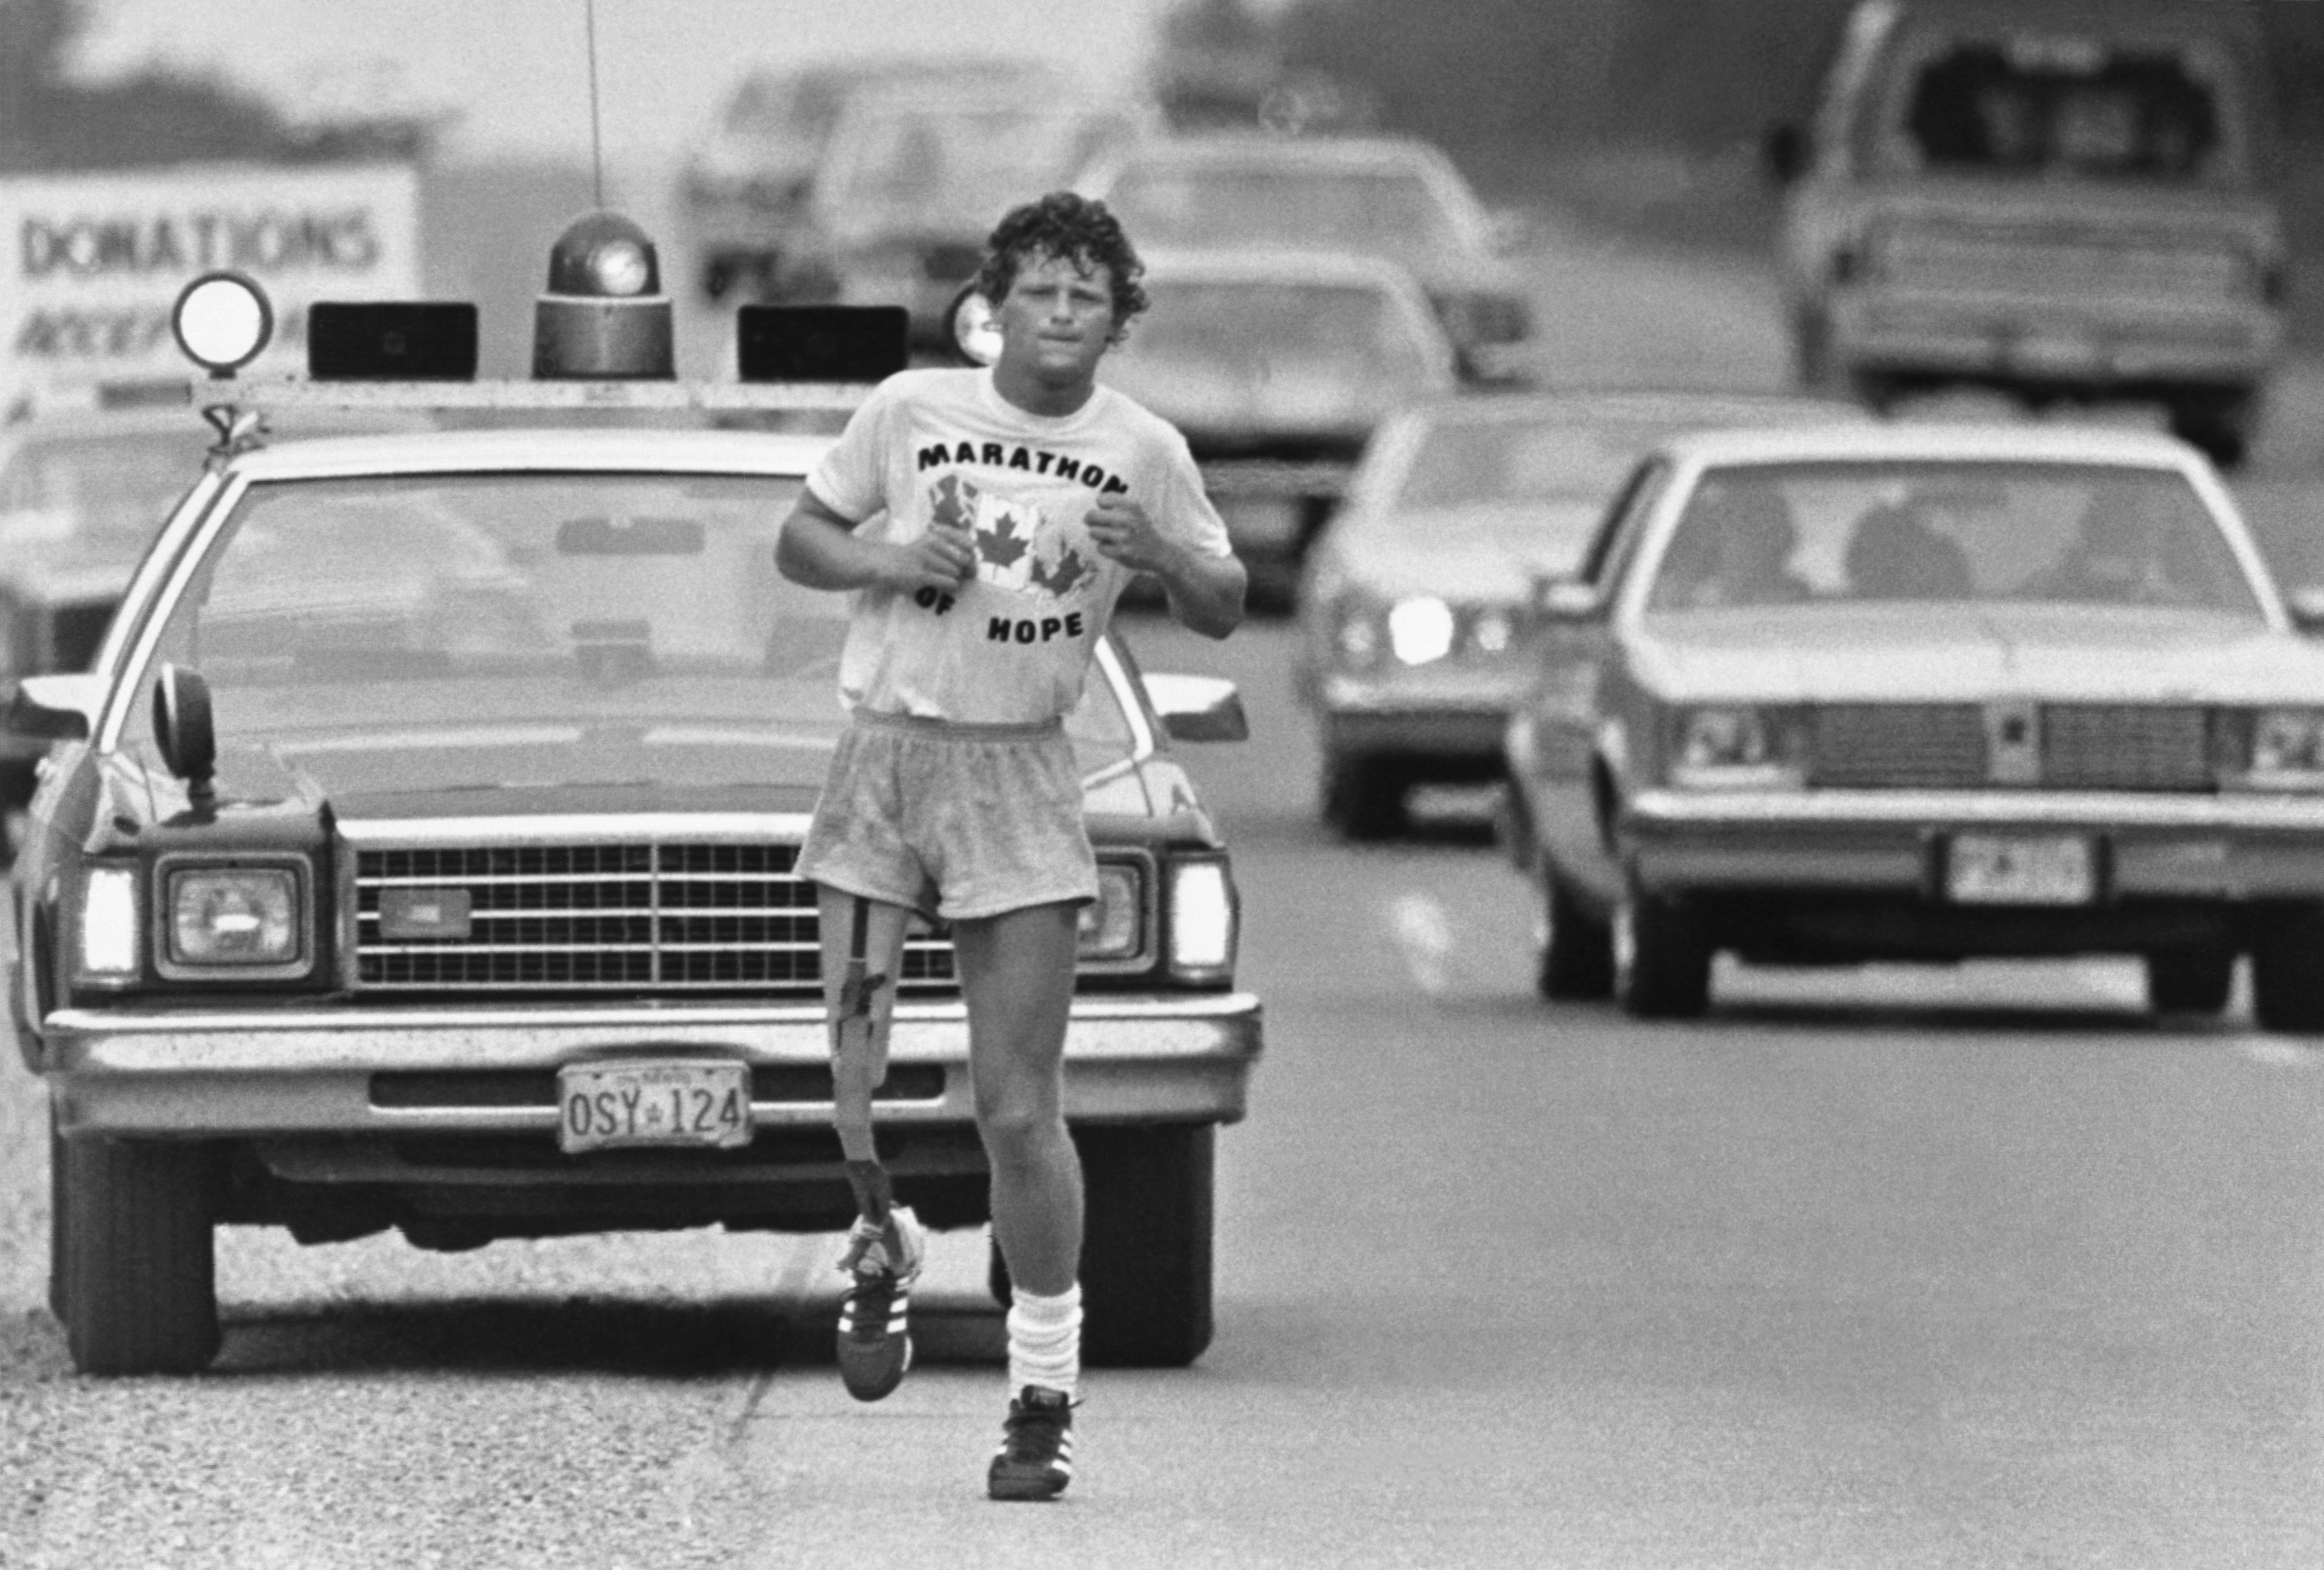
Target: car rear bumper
x,y
217,1073
2224,848
2054,341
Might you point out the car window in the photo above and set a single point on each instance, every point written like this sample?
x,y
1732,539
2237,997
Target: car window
x,y
1949,532
632,606
968,162
1617,539
1385,211
2034,103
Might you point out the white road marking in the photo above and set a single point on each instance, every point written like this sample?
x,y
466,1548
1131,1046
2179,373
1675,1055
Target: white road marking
x,y
2284,1054
1423,935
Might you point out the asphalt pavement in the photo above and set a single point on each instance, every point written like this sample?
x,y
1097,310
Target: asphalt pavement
x,y
1883,1267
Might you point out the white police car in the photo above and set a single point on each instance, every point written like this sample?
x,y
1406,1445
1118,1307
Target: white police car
x,y
418,852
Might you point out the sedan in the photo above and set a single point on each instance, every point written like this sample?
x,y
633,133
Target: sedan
x,y
1836,695
1414,644
426,827
1395,197
1277,366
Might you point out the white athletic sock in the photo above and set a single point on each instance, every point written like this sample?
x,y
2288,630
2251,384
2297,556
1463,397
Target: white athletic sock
x,y
1045,1341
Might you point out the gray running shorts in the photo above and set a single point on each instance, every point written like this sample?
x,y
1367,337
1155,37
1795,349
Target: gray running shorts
x,y
956,822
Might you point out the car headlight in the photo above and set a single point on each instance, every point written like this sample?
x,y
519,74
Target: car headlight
x,y
109,926
2287,749
1113,925
1493,631
237,917
1420,629
1203,919
1733,747
1356,635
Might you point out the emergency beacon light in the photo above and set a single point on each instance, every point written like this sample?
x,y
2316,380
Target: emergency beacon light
x,y
222,320
604,318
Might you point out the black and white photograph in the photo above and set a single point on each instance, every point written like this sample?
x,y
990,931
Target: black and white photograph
x,y
1122,784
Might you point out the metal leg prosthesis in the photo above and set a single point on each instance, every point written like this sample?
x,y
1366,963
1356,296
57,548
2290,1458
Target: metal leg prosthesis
x,y
884,1247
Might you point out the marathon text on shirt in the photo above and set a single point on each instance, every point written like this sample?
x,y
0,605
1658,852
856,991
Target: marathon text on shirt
x,y
1032,459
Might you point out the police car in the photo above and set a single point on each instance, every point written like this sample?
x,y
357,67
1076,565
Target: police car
x,y
416,853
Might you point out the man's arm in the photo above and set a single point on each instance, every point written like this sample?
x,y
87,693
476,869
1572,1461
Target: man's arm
x,y
1205,592
821,549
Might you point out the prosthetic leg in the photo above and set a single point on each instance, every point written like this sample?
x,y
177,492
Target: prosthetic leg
x,y
883,1247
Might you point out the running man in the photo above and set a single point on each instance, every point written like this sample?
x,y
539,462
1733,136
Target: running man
x,y
1014,504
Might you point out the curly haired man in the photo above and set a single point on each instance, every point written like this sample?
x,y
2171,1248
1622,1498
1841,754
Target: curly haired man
x,y
987,520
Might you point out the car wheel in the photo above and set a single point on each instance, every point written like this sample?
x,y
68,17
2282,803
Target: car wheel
x,y
1363,800
1662,962
2189,980
1574,951
2288,970
59,1233
1145,1253
141,1276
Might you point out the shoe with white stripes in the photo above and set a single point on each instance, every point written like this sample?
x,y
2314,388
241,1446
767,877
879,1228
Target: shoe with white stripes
x,y
875,1336
1036,1458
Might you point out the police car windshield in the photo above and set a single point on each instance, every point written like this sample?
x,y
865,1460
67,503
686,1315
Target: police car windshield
x,y
630,606
1389,212
1955,533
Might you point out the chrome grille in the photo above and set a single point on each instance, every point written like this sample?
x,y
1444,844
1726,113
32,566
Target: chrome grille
x,y
631,917
1928,746
2124,747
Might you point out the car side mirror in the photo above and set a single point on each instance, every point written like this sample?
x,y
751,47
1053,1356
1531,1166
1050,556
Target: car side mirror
x,y
185,734
1562,600
1198,708
1784,152
57,708
2306,604
972,328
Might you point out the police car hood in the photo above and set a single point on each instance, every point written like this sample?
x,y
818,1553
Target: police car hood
x,y
547,763
1953,653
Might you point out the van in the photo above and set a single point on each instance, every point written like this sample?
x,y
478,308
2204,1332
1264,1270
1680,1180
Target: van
x,y
2061,199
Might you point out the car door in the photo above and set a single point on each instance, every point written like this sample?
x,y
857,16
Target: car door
x,y
1568,788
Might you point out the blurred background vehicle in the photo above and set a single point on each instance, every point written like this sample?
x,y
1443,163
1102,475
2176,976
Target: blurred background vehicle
x,y
2064,200
1395,197
1277,365
915,177
748,180
1417,616
81,495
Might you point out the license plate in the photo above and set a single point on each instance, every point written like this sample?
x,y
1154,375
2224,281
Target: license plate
x,y
2015,870
657,1101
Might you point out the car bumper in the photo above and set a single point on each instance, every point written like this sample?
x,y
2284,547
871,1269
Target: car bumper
x,y
2058,341
182,1072
2223,849
1462,719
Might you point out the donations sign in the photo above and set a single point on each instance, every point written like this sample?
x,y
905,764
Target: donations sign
x,y
94,261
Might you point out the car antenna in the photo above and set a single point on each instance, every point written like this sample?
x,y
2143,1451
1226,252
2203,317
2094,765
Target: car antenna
x,y
596,139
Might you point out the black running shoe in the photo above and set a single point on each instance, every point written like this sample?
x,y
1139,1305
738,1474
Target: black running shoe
x,y
875,1338
1036,1458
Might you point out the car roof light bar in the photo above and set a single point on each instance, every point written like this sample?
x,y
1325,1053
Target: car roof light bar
x,y
290,392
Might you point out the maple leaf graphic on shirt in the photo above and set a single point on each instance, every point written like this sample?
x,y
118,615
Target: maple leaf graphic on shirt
x,y
999,544
1059,580
955,502
1007,532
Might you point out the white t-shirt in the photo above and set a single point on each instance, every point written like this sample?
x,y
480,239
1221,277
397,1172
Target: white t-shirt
x,y
1012,645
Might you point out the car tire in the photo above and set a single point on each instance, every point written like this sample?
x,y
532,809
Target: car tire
x,y
2197,981
1361,799
60,1235
2288,970
1662,960
1574,951
1145,1250
141,1276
